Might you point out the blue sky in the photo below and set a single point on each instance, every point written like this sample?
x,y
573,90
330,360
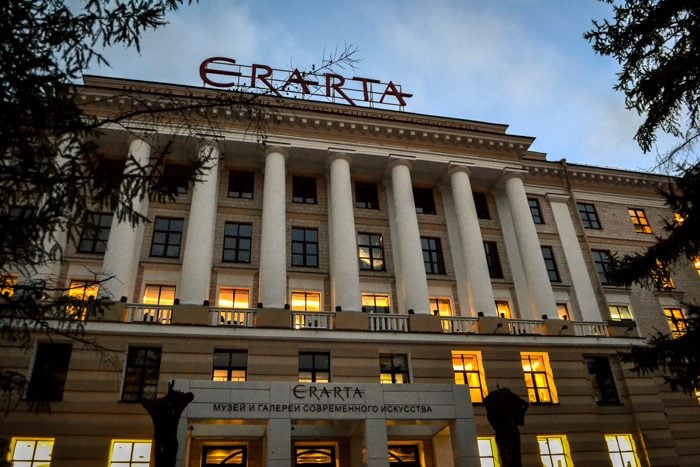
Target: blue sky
x,y
522,63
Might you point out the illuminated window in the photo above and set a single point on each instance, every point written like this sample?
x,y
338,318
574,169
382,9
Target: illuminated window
x,y
589,216
424,200
696,264
482,207
240,184
167,235
441,305
619,312
304,190
551,264
304,247
32,452
370,251
238,239
314,455
230,365
366,196
535,210
306,301
492,260
393,369
639,220
141,375
468,370
374,303
563,311
159,295
49,372
539,379
503,309
601,259
488,451
622,451
95,233
213,456
234,298
554,451
432,255
661,276
83,290
314,367
676,321
602,380
130,453
404,455
7,285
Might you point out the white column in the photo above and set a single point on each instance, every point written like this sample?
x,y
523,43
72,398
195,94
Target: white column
x,y
479,290
581,280
539,287
273,253
413,278
195,278
345,278
278,444
376,442
123,251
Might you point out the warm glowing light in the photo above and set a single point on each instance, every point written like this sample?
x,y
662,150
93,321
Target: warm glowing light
x,y
306,301
7,285
503,309
32,451
621,450
234,298
130,453
82,290
442,305
159,295
562,311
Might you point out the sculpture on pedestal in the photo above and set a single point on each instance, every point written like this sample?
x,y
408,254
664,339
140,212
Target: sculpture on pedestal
x,y
505,412
165,413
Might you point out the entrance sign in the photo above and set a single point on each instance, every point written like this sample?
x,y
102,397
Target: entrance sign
x,y
224,72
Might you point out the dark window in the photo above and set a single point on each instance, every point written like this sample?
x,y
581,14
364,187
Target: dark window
x,y
492,260
108,174
366,196
230,365
314,367
482,207
213,456
601,258
237,242
535,210
167,235
370,251
424,200
304,190
602,380
432,255
19,226
174,180
393,369
551,264
304,247
95,233
49,372
142,372
589,216
241,184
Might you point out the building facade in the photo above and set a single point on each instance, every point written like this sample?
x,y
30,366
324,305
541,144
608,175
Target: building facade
x,y
348,291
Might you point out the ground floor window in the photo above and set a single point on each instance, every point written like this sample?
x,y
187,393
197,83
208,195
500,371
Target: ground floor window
x,y
393,369
130,453
554,451
488,451
230,365
31,452
469,370
224,455
405,455
322,455
621,450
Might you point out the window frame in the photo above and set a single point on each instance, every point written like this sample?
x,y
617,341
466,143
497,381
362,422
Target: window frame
x,y
131,462
493,260
237,250
551,459
435,262
168,233
588,215
305,256
620,309
393,370
477,392
481,204
640,221
550,263
95,235
234,291
676,319
304,190
315,370
508,313
602,379
535,211
141,371
243,449
601,262
160,294
306,294
366,195
231,367
424,200
622,461
49,372
374,308
369,245
544,375
35,440
243,184
437,303
491,456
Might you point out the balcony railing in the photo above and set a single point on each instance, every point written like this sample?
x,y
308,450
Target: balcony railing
x,y
583,328
459,325
526,326
312,320
388,322
228,317
159,314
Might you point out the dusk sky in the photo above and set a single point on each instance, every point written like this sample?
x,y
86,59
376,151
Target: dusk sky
x,y
523,63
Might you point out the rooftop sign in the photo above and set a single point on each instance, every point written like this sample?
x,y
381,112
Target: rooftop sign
x,y
223,72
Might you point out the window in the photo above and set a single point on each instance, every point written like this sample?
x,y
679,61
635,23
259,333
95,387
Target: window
x,y
213,456
7,285
482,207
622,451
503,309
304,190
237,242
174,180
159,295
639,220
167,235
535,210
676,321
661,276
441,305
142,372
241,184
393,369
306,301
492,260
128,453
619,312
696,264
373,303
49,372
404,455
589,216
32,452
96,233
314,367
230,365
370,251
314,454
234,298
488,451
432,255
366,196
563,311
424,200
304,247
83,290
554,451
601,259
602,381
468,370
551,264
539,379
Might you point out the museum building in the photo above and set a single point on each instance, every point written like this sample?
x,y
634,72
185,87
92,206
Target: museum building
x,y
345,290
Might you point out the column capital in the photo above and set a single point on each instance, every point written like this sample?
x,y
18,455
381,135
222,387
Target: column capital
x,y
510,174
397,160
457,168
335,155
278,150
557,198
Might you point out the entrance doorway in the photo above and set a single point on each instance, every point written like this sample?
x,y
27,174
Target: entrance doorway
x,y
404,455
321,456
